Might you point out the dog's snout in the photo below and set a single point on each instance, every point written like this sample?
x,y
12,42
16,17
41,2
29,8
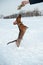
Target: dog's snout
x,y
15,22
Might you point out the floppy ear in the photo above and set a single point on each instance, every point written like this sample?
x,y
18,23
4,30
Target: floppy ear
x,y
19,15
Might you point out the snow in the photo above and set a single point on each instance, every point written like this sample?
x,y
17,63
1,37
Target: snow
x,y
30,51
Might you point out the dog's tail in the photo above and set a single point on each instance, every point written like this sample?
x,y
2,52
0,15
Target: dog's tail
x,y
11,42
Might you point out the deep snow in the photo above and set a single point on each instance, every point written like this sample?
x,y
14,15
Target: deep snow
x,y
30,51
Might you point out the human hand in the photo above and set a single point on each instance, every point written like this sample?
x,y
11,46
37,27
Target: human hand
x,y
23,3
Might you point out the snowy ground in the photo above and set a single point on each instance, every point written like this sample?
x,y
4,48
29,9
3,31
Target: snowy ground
x,y
30,51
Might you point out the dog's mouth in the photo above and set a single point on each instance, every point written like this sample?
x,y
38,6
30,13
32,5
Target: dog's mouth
x,y
14,23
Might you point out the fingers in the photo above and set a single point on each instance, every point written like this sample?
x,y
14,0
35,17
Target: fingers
x,y
21,5
24,2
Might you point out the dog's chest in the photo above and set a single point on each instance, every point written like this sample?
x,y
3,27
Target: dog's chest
x,y
22,28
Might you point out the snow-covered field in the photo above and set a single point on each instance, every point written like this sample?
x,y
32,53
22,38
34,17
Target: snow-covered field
x,y
30,51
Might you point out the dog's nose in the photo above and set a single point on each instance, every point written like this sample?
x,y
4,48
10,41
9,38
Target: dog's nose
x,y
14,23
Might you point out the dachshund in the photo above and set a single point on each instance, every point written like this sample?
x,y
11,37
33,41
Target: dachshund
x,y
22,30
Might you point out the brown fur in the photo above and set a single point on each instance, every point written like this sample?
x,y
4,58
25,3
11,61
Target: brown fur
x,y
22,30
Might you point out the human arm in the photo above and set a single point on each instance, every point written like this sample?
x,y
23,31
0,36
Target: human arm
x,y
31,2
23,3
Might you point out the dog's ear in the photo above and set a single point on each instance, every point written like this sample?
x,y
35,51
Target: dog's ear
x,y
19,15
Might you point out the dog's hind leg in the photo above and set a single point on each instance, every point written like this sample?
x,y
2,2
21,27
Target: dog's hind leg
x,y
18,42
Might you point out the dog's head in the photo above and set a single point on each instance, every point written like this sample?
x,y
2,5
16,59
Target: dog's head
x,y
18,20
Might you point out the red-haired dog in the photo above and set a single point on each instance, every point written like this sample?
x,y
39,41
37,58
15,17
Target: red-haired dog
x,y
22,30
